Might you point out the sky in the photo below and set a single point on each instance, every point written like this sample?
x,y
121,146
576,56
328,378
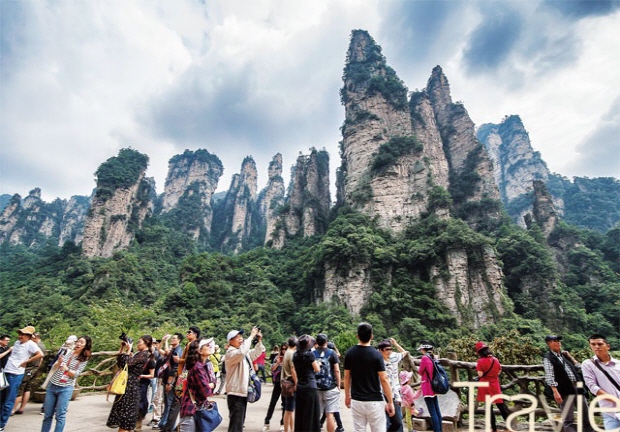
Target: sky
x,y
80,80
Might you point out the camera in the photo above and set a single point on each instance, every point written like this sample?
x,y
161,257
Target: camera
x,y
126,339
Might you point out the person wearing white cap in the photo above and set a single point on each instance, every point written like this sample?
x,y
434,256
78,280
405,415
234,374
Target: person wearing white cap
x,y
238,373
426,371
24,351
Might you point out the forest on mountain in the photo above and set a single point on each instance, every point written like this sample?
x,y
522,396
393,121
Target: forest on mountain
x,y
163,283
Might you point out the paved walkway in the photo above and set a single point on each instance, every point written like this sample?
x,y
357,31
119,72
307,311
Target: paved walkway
x,y
89,412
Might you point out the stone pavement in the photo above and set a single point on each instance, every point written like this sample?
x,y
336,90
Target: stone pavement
x,y
89,412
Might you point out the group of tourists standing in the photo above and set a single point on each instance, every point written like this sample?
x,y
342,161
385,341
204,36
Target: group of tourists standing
x,y
172,382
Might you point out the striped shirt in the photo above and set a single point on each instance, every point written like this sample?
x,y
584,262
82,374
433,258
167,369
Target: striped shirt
x,y
62,378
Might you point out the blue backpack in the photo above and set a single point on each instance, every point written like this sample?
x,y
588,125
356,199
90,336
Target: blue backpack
x,y
324,377
439,383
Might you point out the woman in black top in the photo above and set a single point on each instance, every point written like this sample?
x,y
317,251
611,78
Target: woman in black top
x,y
307,411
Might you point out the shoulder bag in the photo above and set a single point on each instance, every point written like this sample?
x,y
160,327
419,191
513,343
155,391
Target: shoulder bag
x,y
478,378
288,387
207,417
4,383
254,385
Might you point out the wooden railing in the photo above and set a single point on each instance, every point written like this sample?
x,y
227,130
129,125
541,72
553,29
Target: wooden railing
x,y
98,372
514,380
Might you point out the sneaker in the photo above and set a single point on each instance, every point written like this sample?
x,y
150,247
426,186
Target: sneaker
x,y
281,428
156,427
340,429
266,428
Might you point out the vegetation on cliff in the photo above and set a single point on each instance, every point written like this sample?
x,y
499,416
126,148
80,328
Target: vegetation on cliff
x,y
120,171
163,284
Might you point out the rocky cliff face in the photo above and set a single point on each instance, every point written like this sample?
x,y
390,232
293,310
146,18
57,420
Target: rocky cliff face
x,y
470,167
239,208
122,200
383,172
192,179
543,212
516,164
306,209
272,197
32,221
401,161
473,292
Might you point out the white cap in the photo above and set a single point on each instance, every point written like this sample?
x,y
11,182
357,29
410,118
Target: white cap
x,y
71,339
204,342
233,333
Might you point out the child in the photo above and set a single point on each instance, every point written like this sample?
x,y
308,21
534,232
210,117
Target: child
x,y
408,397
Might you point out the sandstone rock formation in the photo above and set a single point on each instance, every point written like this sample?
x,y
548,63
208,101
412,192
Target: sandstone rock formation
x,y
306,210
403,161
121,202
516,164
191,181
272,197
32,221
238,209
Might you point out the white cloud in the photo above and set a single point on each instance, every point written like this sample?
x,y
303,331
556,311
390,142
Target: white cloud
x,y
83,79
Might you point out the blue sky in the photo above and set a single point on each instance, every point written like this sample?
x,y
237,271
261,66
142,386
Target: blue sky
x,y
83,79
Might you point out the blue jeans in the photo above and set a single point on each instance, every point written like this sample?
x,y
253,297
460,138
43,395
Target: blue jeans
x,y
433,410
168,399
8,396
56,402
610,421
398,417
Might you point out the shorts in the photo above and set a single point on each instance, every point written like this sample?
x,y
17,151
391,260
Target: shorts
x,y
25,386
288,403
329,400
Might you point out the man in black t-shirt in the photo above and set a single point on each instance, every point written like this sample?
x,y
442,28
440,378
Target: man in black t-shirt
x,y
364,378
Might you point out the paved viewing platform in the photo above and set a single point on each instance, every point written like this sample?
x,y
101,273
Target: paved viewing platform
x,y
89,412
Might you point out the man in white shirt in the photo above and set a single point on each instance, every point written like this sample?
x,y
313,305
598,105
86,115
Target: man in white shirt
x,y
601,374
24,351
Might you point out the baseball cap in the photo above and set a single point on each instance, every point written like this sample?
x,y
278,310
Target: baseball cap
x,y
552,338
233,333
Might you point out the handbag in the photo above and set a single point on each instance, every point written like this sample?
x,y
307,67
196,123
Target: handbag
x,y
119,382
288,387
181,383
207,417
4,383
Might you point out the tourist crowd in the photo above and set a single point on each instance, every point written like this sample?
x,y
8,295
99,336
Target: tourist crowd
x,y
174,378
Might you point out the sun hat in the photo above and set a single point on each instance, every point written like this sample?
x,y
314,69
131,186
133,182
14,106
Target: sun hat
x,y
233,333
405,377
28,330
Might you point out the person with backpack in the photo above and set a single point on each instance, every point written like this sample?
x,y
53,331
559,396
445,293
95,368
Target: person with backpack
x,y
327,381
427,371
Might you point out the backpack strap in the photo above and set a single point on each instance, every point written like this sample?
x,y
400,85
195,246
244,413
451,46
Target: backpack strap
x,y
613,381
